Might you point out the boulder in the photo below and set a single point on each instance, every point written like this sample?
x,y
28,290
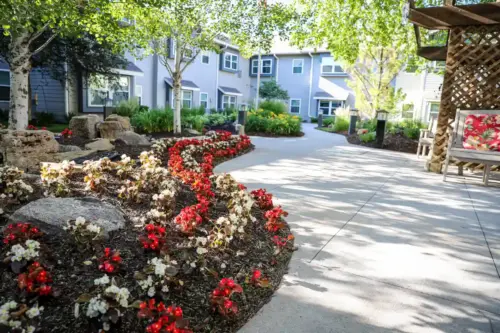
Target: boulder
x,y
110,129
66,148
125,121
25,149
132,139
193,131
84,126
100,145
51,214
72,155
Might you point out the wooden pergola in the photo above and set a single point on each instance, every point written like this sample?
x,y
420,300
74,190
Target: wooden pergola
x,y
472,55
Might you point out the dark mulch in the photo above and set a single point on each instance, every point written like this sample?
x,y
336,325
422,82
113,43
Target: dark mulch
x,y
161,135
271,135
73,141
72,277
394,142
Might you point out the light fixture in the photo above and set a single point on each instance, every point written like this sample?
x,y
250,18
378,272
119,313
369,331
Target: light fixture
x,y
382,115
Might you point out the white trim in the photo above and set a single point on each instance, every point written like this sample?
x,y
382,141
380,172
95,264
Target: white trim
x,y
89,89
4,70
329,99
229,93
277,67
229,101
301,67
205,54
428,108
300,105
262,64
310,85
331,110
136,92
126,72
252,66
237,60
190,100
208,103
333,72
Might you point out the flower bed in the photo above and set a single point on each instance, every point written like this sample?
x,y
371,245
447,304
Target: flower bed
x,y
198,252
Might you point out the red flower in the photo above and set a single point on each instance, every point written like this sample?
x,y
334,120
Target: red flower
x,y
35,280
154,238
275,219
221,297
264,200
110,261
164,319
20,232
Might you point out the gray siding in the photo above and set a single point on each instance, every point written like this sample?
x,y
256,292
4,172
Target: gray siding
x,y
50,92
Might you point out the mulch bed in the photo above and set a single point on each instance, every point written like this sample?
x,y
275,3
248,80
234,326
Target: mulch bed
x,y
74,141
162,135
394,142
65,261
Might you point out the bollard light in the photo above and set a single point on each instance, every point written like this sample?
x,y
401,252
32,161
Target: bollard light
x,y
320,120
242,114
354,113
382,116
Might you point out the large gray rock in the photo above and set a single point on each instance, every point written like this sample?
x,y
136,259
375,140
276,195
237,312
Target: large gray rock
x,y
100,145
66,148
84,126
124,121
132,139
51,214
110,129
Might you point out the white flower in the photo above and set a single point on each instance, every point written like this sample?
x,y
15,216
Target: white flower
x,y
164,289
93,228
80,221
145,284
97,306
193,264
151,292
102,281
30,329
112,290
223,265
15,323
106,326
18,252
160,267
123,296
201,250
34,311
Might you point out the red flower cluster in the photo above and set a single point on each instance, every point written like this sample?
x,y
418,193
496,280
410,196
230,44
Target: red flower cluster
x,y
256,275
264,199
221,297
188,219
20,232
258,280
34,128
154,238
281,242
35,280
111,261
165,319
275,219
67,133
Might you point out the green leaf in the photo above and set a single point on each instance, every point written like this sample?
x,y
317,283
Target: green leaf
x,y
84,298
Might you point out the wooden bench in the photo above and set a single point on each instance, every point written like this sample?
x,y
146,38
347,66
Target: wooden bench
x,y
456,145
426,139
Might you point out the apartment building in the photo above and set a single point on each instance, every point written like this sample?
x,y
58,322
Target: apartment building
x,y
315,82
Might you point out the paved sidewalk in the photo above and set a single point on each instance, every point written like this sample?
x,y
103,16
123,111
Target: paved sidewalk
x,y
383,245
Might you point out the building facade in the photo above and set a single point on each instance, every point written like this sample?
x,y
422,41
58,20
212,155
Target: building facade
x,y
315,83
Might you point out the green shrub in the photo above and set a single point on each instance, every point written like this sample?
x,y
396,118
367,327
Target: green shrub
x,y
216,119
262,121
256,124
197,122
128,108
409,128
199,111
370,125
155,120
274,106
328,121
314,120
44,118
341,124
411,133
368,137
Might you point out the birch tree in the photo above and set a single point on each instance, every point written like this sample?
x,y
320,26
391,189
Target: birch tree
x,y
192,26
32,25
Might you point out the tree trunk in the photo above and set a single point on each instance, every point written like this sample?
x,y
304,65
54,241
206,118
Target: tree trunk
x,y
20,66
177,103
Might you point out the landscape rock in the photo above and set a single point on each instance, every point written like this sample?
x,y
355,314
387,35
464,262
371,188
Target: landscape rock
x,y
51,214
25,149
132,138
71,155
66,148
124,121
110,129
84,126
100,145
193,131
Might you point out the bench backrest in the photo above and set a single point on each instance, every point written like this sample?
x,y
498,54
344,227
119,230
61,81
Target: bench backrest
x,y
459,127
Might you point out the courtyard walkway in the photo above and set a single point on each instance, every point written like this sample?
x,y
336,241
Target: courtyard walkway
x,y
383,245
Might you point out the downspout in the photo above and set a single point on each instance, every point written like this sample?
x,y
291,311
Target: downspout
x,y
155,81
217,63
66,90
423,108
277,67
310,85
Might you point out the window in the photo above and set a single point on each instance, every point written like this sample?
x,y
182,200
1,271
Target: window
x,y
408,111
267,66
205,57
230,61
187,98
228,102
328,66
255,66
433,110
4,86
138,93
204,100
297,66
101,88
295,105
327,108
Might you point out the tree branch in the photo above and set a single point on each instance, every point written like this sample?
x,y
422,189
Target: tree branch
x,y
47,42
38,33
190,61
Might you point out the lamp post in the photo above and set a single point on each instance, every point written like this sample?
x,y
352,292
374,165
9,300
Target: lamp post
x,y
352,121
242,119
382,116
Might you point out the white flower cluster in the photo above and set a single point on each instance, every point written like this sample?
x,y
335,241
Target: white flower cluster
x,y
95,171
97,306
11,184
158,267
14,323
19,253
160,147
164,202
125,166
83,230
120,295
102,281
55,177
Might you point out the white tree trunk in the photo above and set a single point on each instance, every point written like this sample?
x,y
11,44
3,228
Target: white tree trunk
x,y
20,67
177,104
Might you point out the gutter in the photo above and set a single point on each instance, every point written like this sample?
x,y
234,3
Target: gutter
x,y
155,81
310,85
217,67
277,66
66,90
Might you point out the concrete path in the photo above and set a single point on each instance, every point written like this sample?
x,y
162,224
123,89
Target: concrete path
x,y
383,245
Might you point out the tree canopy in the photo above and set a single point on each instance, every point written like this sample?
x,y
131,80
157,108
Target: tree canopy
x,y
272,90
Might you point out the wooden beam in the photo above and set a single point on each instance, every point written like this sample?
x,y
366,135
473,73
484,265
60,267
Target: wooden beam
x,y
478,18
421,19
433,53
